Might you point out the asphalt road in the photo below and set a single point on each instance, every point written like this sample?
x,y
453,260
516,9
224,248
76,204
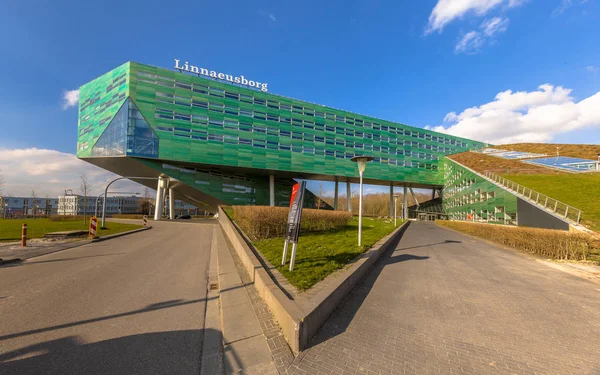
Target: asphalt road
x,y
130,305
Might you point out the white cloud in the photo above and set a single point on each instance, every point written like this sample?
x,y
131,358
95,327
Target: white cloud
x,y
51,172
536,116
593,69
70,99
494,26
471,42
566,4
267,15
446,11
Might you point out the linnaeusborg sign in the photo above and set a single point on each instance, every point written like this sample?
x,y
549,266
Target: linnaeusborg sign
x,y
241,80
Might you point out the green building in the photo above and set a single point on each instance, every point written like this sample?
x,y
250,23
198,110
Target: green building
x,y
213,139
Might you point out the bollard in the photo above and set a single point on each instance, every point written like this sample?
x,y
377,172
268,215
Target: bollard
x,y
145,220
24,235
93,226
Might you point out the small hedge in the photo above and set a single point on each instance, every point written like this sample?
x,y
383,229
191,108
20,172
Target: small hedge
x,y
554,244
260,222
129,216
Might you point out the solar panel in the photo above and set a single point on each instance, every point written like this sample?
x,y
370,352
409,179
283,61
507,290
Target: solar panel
x,y
513,155
566,163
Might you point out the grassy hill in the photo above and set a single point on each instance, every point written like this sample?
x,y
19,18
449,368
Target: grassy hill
x,y
580,190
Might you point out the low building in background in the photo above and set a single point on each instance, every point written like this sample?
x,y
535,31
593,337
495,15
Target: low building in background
x,y
27,206
75,204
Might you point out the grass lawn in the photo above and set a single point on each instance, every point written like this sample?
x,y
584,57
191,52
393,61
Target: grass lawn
x,y
321,253
581,191
10,229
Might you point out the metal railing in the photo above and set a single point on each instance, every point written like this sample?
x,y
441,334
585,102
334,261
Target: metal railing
x,y
550,204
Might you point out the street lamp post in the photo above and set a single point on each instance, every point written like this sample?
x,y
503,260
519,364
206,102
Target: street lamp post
x,y
395,205
362,165
106,193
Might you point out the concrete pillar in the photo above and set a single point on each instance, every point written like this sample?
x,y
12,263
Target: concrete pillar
x,y
158,207
335,196
405,203
349,196
391,199
272,190
171,204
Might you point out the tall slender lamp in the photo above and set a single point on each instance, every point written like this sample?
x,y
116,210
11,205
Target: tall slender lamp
x,y
362,165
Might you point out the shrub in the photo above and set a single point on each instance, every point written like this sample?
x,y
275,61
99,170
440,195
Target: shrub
x,y
128,216
554,244
260,222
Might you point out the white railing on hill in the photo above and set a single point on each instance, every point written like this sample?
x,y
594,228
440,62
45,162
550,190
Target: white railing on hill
x,y
550,204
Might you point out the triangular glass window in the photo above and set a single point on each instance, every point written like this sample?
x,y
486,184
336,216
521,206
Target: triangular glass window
x,y
127,134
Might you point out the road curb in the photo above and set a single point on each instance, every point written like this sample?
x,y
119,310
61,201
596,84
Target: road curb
x,y
99,239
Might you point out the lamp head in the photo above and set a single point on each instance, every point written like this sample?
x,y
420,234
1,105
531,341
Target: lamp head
x,y
362,162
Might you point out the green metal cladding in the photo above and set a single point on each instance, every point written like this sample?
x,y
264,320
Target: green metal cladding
x,y
468,196
99,102
210,124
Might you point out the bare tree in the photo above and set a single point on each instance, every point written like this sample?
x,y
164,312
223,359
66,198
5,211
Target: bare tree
x,y
319,201
1,181
85,188
33,202
144,206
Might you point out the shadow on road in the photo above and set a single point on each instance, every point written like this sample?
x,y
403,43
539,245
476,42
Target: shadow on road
x,y
431,244
153,307
173,352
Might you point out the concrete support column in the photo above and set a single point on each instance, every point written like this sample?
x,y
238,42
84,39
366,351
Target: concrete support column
x,y
405,203
391,199
349,196
271,190
171,204
335,196
158,206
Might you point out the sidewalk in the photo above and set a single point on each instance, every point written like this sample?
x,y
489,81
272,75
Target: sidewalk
x,y
252,343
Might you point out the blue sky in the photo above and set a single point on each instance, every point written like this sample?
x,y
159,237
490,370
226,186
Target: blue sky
x,y
413,62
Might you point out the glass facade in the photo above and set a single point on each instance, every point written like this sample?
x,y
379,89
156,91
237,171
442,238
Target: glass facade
x,y
127,134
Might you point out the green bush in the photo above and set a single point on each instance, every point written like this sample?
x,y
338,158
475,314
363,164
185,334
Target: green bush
x,y
260,222
553,244
129,216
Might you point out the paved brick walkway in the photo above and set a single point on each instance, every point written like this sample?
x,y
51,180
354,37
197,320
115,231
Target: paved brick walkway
x,y
445,303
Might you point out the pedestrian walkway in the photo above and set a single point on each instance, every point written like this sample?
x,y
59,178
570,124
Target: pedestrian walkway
x,y
443,302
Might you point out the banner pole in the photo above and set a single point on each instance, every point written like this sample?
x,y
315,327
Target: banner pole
x,y
293,260
284,258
